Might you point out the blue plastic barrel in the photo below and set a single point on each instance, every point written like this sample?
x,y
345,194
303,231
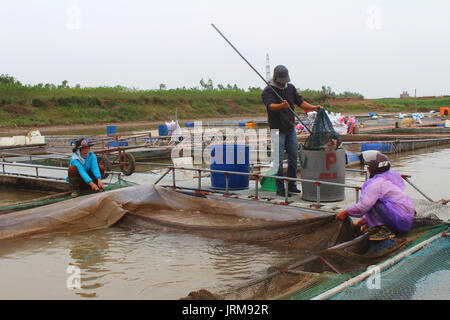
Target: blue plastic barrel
x,y
122,143
235,158
382,147
163,130
352,158
189,124
242,123
110,130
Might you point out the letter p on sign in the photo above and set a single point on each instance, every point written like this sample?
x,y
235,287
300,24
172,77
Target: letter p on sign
x,y
330,160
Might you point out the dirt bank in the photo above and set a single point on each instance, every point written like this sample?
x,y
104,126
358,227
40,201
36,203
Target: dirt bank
x,y
134,125
142,125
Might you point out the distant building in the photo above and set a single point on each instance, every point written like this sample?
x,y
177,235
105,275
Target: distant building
x,y
404,95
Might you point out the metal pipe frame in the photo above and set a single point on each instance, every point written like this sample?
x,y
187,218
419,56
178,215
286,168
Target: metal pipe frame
x,y
256,176
396,141
262,176
34,156
37,167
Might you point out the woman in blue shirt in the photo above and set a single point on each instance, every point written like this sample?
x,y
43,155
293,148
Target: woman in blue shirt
x,y
84,172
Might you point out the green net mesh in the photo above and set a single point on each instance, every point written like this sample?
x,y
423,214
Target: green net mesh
x,y
411,278
326,281
322,133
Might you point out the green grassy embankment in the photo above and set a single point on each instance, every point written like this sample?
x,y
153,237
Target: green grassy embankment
x,y
39,106
43,106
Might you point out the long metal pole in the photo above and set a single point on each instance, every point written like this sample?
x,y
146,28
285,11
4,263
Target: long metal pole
x,y
415,187
279,97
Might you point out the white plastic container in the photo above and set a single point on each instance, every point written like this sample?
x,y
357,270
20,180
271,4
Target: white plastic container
x,y
6,141
35,140
20,140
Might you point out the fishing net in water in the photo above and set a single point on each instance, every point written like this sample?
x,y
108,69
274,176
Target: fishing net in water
x,y
323,136
401,280
309,276
238,220
165,210
430,213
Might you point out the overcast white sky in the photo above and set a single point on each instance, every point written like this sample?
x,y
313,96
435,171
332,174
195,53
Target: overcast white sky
x,y
377,48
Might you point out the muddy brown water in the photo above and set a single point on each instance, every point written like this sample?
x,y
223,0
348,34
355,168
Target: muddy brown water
x,y
134,263
9,196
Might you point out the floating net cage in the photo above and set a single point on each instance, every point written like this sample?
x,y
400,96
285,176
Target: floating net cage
x,y
412,276
307,277
327,251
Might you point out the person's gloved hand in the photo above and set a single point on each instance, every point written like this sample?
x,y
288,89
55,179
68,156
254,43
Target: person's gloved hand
x,y
342,215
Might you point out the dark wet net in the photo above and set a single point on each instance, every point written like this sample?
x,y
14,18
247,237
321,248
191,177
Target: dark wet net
x,y
307,277
323,136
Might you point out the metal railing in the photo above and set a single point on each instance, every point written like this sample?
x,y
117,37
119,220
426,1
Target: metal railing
x,y
104,141
37,167
286,180
397,141
256,177
6,157
171,168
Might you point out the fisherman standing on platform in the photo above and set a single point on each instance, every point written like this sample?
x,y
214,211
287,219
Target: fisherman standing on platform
x,y
283,120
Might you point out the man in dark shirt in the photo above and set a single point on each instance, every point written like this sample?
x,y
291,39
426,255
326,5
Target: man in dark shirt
x,y
283,121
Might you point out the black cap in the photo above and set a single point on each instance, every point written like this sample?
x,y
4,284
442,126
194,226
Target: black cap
x,y
281,74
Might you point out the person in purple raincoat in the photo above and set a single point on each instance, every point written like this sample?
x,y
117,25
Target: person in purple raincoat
x,y
384,206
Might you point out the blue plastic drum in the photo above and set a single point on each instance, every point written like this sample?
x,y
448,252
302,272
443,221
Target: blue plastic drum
x,y
163,130
111,130
235,158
